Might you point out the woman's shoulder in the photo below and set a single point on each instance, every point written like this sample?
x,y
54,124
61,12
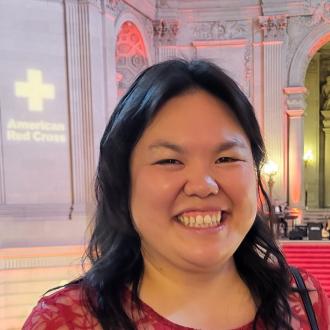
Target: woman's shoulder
x,y
319,301
64,309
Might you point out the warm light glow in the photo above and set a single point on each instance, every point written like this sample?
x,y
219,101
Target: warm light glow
x,y
34,90
308,156
270,168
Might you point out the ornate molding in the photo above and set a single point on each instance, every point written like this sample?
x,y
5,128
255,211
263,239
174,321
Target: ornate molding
x,y
296,101
248,62
217,30
295,98
219,43
321,13
295,113
273,27
165,31
114,7
295,90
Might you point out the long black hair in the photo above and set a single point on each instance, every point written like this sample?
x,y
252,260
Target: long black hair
x,y
114,248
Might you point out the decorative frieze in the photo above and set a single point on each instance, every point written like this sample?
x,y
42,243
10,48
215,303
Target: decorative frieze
x,y
165,31
217,30
273,27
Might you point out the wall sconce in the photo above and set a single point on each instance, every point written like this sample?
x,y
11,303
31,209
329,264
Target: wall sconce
x,y
308,157
270,169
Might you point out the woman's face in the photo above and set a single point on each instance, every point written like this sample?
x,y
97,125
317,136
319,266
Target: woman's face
x,y
193,184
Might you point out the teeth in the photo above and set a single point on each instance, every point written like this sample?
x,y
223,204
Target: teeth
x,y
199,219
207,220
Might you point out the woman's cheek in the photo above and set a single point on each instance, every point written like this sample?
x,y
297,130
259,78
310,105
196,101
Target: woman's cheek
x,y
241,185
158,186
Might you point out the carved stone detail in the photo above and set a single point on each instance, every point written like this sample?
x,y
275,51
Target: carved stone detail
x,y
248,62
274,27
326,120
165,31
216,30
115,7
162,4
296,101
148,27
322,13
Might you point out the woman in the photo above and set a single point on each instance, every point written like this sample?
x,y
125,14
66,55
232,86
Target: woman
x,y
178,241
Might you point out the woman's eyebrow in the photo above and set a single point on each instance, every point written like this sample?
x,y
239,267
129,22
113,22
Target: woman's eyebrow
x,y
167,145
231,144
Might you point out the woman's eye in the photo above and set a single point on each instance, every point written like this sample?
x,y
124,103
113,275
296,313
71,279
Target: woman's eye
x,y
226,160
168,162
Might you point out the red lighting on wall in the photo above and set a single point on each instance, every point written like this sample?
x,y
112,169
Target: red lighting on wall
x,y
131,56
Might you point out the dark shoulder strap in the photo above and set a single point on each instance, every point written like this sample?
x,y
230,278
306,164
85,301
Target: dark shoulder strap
x,y
305,298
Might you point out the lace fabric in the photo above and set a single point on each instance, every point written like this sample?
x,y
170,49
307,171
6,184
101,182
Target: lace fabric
x,y
65,310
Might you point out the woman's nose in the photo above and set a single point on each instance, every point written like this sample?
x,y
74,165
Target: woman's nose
x,y
202,186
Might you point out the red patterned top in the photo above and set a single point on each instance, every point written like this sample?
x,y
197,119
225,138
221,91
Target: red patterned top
x,y
64,310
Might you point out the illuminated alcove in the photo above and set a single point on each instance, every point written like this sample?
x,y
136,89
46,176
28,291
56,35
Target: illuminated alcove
x,y
316,153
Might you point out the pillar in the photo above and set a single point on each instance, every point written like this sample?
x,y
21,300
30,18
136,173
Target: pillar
x,y
85,72
295,150
326,131
274,28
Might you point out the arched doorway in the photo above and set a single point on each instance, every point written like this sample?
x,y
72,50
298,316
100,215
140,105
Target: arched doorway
x,y
316,154
131,57
296,92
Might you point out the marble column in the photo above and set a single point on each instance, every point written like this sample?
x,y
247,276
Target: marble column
x,y
326,130
295,145
86,96
274,28
295,163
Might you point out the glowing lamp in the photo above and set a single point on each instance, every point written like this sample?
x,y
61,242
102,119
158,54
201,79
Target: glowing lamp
x,y
308,157
270,169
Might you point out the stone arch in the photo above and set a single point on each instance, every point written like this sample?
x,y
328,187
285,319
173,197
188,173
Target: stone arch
x,y
296,105
318,37
132,55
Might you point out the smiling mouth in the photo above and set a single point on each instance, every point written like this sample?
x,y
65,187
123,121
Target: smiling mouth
x,y
206,220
